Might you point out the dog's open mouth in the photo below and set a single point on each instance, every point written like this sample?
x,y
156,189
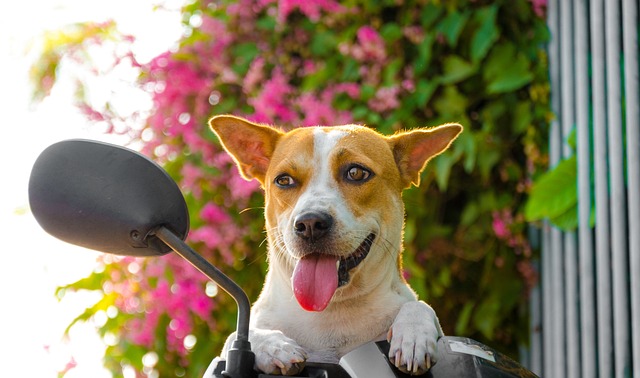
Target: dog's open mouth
x,y
317,276
354,259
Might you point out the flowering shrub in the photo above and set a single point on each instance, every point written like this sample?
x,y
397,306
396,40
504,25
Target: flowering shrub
x,y
389,65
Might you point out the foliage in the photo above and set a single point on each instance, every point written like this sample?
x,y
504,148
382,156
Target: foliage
x,y
387,64
554,194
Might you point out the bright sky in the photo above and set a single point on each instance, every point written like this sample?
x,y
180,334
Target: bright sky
x,y
32,320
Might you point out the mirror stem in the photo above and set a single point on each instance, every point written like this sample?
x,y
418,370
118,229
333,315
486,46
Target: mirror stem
x,y
186,252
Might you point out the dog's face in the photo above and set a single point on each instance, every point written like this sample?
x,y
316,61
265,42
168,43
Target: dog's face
x,y
334,212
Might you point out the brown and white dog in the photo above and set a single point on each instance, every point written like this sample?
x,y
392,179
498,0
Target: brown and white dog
x,y
334,220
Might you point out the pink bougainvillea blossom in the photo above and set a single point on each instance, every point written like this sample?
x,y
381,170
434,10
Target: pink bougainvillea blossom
x,y
273,101
254,76
212,213
370,45
502,224
499,224
310,8
539,6
240,188
386,98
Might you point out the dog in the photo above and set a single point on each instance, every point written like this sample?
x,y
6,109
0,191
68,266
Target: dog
x,y
334,221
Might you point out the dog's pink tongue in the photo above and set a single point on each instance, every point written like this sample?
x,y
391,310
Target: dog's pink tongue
x,y
315,279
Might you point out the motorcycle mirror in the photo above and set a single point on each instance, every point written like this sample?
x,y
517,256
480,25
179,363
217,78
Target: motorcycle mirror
x,y
115,200
105,197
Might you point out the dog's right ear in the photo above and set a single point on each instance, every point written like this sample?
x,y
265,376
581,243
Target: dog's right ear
x,y
251,145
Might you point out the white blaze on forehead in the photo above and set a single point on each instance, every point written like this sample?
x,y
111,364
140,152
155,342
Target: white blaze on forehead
x,y
323,144
322,193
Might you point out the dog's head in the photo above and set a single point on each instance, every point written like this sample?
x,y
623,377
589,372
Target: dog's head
x,y
334,212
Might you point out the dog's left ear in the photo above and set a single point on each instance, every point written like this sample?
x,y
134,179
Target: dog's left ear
x,y
251,145
413,149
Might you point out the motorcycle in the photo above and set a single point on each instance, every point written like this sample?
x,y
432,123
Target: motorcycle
x,y
115,200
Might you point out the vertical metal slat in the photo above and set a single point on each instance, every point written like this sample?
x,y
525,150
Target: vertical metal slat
x,y
571,336
586,265
552,258
631,68
603,262
619,262
547,294
535,354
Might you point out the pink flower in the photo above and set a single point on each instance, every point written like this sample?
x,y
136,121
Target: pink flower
x,y
351,89
208,235
214,214
70,365
191,175
385,99
240,188
539,7
315,112
499,226
319,111
254,76
272,102
310,8
370,45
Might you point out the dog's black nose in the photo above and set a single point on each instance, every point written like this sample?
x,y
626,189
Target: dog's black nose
x,y
312,225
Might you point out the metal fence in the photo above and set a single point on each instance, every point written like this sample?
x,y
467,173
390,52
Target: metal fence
x,y
586,312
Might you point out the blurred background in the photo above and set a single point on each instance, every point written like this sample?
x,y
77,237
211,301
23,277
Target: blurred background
x,y
486,219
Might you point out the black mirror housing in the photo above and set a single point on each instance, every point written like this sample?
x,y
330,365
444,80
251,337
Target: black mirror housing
x,y
105,197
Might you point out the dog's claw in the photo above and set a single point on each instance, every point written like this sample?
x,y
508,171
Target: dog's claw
x,y
277,354
413,339
398,359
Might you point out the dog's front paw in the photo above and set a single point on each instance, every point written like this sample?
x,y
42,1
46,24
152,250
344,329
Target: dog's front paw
x,y
277,354
413,338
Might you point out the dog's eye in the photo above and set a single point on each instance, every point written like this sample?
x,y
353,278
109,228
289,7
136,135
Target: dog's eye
x,y
284,181
357,173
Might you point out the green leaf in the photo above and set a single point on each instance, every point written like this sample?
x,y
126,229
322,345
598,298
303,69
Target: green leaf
x,y
499,301
486,34
350,72
452,25
456,69
466,144
523,117
391,33
451,103
443,164
92,282
463,319
425,52
469,214
244,54
410,230
572,138
367,92
506,69
267,24
486,160
323,43
391,72
554,193
430,13
567,221
102,304
424,91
